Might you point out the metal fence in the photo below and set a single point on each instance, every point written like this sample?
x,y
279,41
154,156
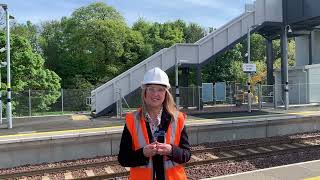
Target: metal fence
x,y
45,102
236,98
191,99
299,94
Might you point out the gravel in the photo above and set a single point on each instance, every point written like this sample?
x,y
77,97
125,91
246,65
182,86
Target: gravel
x,y
203,171
232,167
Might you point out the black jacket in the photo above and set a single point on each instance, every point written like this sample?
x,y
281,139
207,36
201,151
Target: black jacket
x,y
129,158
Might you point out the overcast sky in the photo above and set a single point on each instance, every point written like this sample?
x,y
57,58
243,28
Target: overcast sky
x,y
207,13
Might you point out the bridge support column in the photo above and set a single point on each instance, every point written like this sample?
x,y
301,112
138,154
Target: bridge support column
x,y
270,57
310,49
284,67
185,77
199,84
270,77
184,90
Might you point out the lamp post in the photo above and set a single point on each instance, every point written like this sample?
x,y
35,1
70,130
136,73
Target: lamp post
x,y
9,109
284,64
249,61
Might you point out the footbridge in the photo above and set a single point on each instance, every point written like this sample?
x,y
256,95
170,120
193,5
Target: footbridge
x,y
265,16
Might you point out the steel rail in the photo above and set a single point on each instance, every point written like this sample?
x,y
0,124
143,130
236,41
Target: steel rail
x,y
205,150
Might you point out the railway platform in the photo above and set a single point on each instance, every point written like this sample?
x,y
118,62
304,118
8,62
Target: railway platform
x,y
57,138
300,171
83,122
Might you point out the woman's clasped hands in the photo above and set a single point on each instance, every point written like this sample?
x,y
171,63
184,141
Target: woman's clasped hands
x,y
157,148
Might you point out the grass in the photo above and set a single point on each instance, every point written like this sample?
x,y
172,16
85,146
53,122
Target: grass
x,y
50,113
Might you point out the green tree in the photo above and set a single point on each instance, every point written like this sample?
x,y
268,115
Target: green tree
x,y
96,11
143,27
29,31
193,32
160,36
258,47
92,46
135,49
84,47
28,72
237,72
53,43
220,69
291,54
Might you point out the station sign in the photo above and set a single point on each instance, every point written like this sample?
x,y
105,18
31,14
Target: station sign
x,y
249,67
207,92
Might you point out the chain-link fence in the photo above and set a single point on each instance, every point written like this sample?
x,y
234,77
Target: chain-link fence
x,y
191,99
45,102
236,97
299,94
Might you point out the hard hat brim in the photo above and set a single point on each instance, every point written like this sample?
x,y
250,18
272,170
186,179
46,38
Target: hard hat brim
x,y
157,83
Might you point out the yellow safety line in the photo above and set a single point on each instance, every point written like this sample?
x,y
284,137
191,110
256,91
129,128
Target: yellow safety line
x,y
261,116
305,112
235,118
77,117
63,131
115,127
313,178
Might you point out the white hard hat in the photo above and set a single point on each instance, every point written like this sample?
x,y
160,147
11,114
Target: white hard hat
x,y
156,76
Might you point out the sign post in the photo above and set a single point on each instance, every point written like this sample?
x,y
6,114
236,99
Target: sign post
x,y
249,68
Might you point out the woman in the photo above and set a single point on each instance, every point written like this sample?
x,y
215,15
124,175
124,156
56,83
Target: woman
x,y
154,141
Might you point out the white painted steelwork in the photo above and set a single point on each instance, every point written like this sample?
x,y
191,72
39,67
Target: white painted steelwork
x,y
215,42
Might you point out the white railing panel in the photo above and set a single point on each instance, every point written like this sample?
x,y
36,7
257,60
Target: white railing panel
x,y
247,22
104,98
188,53
168,58
206,50
131,69
222,28
156,62
137,77
260,11
234,32
220,41
124,85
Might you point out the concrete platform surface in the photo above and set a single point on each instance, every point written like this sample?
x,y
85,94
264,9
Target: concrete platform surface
x,y
50,139
83,122
68,126
300,171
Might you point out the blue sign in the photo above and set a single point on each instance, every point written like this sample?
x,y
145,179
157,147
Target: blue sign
x,y
220,91
207,92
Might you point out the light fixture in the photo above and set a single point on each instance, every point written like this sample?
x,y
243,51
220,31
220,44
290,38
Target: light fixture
x,y
289,29
3,64
3,50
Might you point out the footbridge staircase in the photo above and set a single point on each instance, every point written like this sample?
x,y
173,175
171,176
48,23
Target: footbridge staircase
x,y
259,14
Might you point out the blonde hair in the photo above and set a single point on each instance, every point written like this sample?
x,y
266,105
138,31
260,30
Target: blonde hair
x,y
168,104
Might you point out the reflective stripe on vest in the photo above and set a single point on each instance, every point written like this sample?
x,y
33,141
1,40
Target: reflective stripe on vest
x,y
173,135
137,127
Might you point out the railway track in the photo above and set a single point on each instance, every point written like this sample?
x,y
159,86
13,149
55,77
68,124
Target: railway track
x,y
111,169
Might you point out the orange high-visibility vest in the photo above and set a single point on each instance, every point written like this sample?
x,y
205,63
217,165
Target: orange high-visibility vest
x,y
137,127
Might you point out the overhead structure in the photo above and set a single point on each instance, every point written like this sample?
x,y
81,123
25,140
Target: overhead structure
x,y
301,21
264,16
